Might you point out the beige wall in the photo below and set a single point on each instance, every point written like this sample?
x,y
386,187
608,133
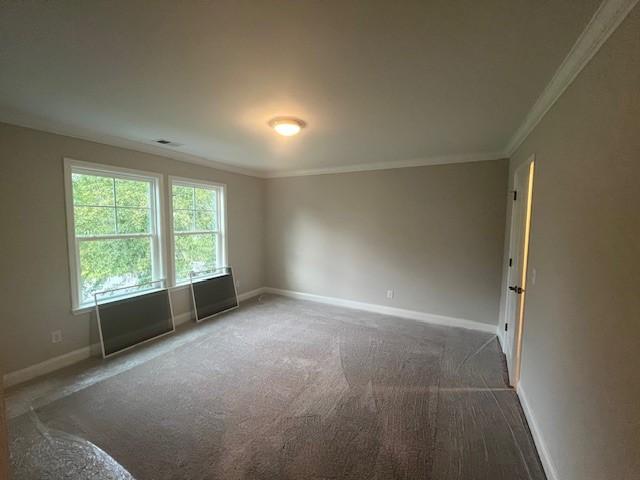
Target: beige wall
x,y
34,280
582,333
4,440
432,234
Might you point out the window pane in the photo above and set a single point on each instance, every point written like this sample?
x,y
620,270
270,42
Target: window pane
x,y
92,190
94,220
205,220
205,199
132,193
134,220
183,220
194,253
107,264
182,198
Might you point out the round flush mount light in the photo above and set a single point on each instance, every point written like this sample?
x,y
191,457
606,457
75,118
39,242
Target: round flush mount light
x,y
287,126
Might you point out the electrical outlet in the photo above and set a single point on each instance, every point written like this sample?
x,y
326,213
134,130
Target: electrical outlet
x,y
56,336
533,276
237,284
389,293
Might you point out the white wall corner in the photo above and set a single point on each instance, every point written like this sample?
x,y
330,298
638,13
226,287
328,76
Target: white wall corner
x,y
386,310
604,22
536,433
253,293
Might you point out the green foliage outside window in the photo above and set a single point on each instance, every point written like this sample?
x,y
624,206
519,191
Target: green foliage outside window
x,y
112,206
113,227
195,226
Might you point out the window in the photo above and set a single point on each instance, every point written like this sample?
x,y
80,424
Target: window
x,y
198,225
113,221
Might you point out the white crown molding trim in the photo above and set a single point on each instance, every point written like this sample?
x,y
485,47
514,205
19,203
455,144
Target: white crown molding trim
x,y
385,310
538,439
604,22
48,366
56,128
47,126
366,167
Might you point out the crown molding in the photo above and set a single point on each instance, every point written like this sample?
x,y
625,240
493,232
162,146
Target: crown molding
x,y
366,167
47,126
115,141
603,23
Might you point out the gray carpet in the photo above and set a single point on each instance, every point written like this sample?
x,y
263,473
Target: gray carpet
x,y
285,389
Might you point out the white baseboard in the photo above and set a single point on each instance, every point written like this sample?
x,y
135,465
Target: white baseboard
x,y
182,318
253,293
48,366
56,363
386,310
543,451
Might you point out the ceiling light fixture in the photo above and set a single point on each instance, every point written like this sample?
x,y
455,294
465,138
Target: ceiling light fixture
x,y
287,126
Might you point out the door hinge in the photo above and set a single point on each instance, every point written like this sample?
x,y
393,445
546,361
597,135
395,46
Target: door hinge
x,y
511,262
506,327
515,195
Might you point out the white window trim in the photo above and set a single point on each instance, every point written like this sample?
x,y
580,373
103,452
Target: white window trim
x,y
222,222
158,208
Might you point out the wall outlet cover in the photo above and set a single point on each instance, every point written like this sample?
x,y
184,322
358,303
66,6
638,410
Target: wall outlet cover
x,y
56,336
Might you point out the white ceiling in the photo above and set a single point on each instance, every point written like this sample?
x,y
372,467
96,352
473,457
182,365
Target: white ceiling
x,y
376,81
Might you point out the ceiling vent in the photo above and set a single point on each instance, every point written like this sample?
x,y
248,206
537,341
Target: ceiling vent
x,y
168,143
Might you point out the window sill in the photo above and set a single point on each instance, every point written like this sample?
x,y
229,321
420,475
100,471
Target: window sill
x,y
82,309
186,283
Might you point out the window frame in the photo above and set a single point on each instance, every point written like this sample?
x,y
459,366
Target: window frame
x,y
157,217
221,213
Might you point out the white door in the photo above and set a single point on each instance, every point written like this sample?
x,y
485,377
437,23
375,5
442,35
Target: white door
x,y
518,258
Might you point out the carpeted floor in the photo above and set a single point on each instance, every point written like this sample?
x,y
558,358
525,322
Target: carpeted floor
x,y
285,389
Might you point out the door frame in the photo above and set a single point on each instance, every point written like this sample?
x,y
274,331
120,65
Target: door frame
x,y
519,239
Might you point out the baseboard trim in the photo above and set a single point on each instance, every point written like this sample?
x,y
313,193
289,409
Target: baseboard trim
x,y
48,366
182,318
386,310
538,439
56,363
250,294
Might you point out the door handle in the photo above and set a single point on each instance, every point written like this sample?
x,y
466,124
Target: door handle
x,y
516,289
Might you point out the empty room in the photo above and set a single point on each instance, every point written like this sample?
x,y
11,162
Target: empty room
x,y
320,239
